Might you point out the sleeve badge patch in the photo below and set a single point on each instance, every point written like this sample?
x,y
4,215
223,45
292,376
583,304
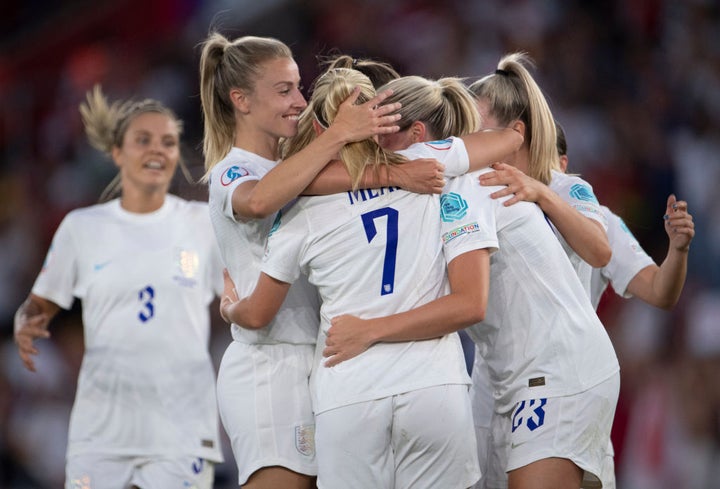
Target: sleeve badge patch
x,y
232,174
452,207
582,192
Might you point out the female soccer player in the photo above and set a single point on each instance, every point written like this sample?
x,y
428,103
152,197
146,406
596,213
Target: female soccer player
x,y
145,267
362,248
551,364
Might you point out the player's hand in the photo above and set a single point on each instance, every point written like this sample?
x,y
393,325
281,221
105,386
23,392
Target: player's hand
x,y
679,224
356,122
421,176
521,186
27,329
346,339
229,296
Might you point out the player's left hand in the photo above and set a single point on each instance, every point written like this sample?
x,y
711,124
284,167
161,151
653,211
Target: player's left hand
x,y
346,339
679,224
522,187
229,296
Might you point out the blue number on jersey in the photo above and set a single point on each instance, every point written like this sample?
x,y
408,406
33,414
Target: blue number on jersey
x,y
146,297
535,420
388,276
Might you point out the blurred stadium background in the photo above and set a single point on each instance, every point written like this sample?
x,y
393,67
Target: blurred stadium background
x,y
635,83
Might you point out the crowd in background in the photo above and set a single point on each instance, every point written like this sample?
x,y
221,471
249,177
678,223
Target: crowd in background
x,y
635,84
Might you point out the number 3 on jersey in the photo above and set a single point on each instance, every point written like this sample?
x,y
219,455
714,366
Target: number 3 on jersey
x,y
368,219
146,296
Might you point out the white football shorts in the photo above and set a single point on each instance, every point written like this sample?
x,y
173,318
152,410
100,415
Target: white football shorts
x,y
421,439
265,406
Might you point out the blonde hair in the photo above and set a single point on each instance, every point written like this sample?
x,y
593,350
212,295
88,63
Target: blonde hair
x,y
106,125
227,65
513,94
331,89
378,72
445,106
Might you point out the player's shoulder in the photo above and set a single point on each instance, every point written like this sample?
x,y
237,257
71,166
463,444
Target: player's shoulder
x,y
92,212
239,163
193,209
559,178
573,187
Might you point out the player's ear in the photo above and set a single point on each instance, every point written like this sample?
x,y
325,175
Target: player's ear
x,y
115,153
319,129
563,163
519,126
240,100
418,132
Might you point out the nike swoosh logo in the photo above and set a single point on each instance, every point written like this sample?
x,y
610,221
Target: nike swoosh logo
x,y
100,266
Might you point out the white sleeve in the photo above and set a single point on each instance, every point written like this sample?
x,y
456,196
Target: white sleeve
x,y
285,245
59,274
225,180
468,217
216,264
628,257
450,152
579,194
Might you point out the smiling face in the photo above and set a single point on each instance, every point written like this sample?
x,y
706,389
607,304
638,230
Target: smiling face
x,y
276,100
149,153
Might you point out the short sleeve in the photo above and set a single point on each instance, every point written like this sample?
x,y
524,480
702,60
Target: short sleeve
x,y
468,217
59,273
580,195
628,257
285,245
451,152
225,180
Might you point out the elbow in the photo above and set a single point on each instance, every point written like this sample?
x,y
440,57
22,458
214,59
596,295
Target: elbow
x,y
250,321
255,322
257,209
666,303
601,257
475,314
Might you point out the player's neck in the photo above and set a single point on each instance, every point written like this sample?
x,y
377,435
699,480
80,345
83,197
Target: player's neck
x,y
133,200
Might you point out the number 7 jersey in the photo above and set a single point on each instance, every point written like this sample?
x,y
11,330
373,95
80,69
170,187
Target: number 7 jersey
x,y
374,253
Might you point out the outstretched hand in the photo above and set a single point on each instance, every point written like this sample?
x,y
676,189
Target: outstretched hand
x,y
229,296
28,328
679,224
346,339
521,186
362,121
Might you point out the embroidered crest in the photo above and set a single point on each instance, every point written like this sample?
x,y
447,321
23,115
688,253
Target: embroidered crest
x,y
305,439
188,262
452,207
232,174
582,192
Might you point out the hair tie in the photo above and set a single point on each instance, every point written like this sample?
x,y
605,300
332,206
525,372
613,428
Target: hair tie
x,y
354,62
501,72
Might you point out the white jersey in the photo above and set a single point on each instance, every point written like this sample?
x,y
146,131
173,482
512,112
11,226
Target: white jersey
x,y
579,194
540,336
147,383
628,258
373,253
242,244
